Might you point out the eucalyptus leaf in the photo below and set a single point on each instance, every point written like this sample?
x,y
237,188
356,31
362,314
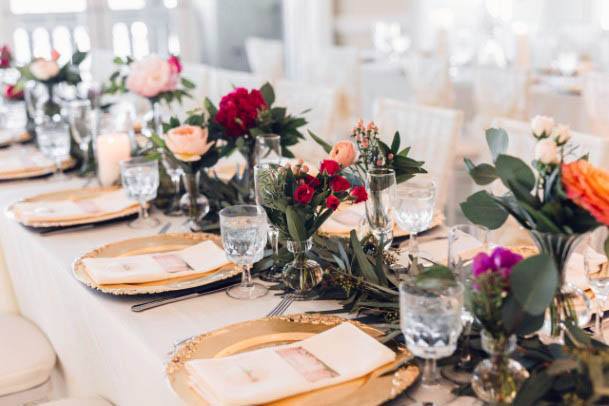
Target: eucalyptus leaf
x,y
482,174
480,208
512,170
497,140
534,282
268,93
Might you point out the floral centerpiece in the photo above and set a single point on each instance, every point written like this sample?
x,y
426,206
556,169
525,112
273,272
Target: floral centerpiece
x,y
191,147
495,380
6,57
297,204
556,201
152,77
243,114
372,153
49,73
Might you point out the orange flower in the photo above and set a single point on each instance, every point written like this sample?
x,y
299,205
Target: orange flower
x,y
588,187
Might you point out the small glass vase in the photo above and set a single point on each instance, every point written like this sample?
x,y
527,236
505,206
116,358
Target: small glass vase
x,y
302,274
496,380
193,203
570,302
50,107
157,117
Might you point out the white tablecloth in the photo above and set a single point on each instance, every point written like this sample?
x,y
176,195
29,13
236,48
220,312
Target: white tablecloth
x,y
103,348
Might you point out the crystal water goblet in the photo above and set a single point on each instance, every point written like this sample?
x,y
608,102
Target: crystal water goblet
x,y
54,142
140,179
268,149
430,319
84,123
244,235
381,188
596,266
414,208
463,239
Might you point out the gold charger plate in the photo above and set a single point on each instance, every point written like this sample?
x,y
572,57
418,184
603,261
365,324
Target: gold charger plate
x,y
437,220
152,245
372,389
35,171
71,194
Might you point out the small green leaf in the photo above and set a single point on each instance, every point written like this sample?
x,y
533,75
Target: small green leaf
x,y
363,263
514,170
295,226
395,144
533,282
268,93
327,147
480,208
483,174
497,140
187,83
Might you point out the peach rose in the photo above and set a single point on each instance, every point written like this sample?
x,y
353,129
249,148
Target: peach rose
x,y
151,76
343,152
44,70
188,142
588,187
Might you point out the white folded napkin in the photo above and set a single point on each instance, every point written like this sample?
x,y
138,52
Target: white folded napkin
x,y
14,163
338,355
73,209
198,259
345,219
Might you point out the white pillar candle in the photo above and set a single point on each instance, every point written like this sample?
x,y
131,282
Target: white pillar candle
x,y
111,149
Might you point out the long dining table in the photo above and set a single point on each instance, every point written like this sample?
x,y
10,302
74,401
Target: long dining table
x,y
103,347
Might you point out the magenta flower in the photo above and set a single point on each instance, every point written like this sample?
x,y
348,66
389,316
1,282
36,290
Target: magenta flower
x,y
501,260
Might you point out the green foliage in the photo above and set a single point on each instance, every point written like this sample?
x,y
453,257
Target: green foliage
x,y
68,73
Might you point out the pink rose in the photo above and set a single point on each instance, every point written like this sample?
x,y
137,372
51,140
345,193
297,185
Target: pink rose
x,y
343,152
188,142
151,76
44,70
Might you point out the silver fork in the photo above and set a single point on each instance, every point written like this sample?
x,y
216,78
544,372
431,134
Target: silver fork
x,y
282,306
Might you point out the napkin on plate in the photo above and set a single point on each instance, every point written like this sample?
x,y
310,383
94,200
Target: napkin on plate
x,y
198,259
24,162
338,355
73,209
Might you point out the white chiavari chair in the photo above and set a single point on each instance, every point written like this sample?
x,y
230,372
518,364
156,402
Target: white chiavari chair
x,y
265,57
321,103
431,132
222,81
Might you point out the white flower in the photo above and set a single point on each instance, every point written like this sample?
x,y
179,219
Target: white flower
x,y
542,126
546,152
562,134
43,70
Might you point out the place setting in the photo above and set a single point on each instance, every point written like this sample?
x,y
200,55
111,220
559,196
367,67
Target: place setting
x,y
364,220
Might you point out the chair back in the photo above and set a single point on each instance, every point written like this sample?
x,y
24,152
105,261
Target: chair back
x,y
265,57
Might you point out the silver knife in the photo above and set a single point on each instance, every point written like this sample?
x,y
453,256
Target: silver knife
x,y
163,301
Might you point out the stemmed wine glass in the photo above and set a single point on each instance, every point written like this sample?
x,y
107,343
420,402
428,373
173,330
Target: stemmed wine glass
x,y
84,122
175,172
244,234
463,239
54,142
140,178
381,187
431,323
414,207
596,265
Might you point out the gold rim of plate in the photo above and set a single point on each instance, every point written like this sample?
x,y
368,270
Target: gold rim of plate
x,y
152,245
36,171
437,220
372,389
71,194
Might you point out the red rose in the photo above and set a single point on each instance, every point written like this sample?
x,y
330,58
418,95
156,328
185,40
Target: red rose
x,y
332,202
11,93
329,166
339,184
175,63
359,194
239,110
312,181
304,194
